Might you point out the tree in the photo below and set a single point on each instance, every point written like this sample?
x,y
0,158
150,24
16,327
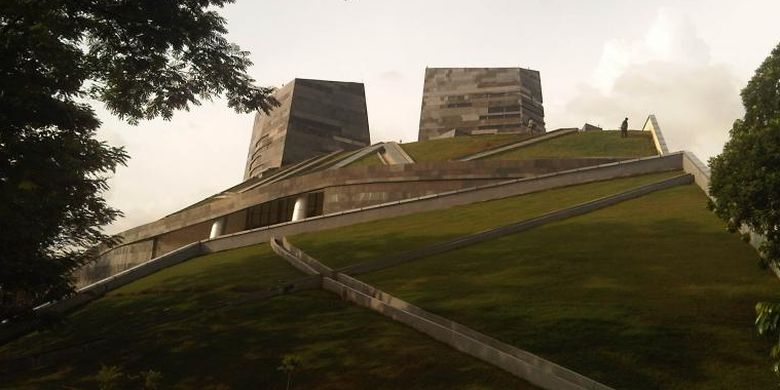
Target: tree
x,y
142,59
745,180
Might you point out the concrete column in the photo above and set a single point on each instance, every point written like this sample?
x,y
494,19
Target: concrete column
x,y
301,204
217,228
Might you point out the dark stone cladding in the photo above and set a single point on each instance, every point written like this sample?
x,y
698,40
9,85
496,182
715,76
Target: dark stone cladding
x,y
344,187
466,101
314,117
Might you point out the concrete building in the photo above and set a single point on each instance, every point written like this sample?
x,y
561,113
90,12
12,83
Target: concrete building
x,y
321,194
470,101
315,117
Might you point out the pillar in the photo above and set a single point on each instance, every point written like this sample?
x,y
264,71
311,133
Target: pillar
x,y
217,228
299,210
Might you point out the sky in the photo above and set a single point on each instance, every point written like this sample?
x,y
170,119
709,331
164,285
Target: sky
x,y
600,60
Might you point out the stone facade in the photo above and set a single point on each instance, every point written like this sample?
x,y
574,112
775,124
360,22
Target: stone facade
x,y
315,117
470,101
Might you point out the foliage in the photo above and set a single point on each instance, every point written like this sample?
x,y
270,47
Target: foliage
x,y
110,378
142,59
290,363
745,180
113,377
767,320
151,379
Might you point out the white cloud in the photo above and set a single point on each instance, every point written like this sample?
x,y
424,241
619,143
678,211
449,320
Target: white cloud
x,y
668,72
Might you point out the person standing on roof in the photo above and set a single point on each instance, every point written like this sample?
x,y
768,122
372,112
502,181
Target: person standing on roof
x,y
624,128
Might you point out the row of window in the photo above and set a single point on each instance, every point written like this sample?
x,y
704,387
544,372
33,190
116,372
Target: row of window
x,y
461,98
281,210
499,109
500,116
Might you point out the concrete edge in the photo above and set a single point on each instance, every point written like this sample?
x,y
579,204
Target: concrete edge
x,y
516,145
651,124
517,362
701,172
396,154
292,259
357,156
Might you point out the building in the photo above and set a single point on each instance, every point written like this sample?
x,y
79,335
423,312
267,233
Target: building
x,y
315,117
470,101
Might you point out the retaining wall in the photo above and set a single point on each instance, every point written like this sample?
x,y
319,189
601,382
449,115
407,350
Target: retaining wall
x,y
97,289
651,124
122,258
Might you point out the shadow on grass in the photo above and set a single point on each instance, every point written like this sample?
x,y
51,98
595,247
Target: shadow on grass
x,y
341,346
634,295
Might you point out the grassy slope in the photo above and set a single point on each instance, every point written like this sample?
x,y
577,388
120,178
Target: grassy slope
x,y
651,293
168,322
367,241
368,160
450,148
586,144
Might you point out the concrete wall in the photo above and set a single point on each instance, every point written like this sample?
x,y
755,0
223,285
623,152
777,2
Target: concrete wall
x,y
266,147
700,171
114,262
326,116
315,117
362,195
179,238
405,175
235,222
462,101
651,124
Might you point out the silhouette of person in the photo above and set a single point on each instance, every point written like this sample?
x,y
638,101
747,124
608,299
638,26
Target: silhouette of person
x,y
624,128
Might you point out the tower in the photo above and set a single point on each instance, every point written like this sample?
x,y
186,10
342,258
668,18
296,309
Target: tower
x,y
314,117
470,101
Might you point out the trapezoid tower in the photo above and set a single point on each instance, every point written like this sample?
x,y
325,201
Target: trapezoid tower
x,y
314,117
471,101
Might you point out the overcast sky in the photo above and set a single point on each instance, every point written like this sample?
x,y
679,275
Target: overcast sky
x,y
600,60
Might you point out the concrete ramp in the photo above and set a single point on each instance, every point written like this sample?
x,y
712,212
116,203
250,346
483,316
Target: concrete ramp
x,y
520,363
394,154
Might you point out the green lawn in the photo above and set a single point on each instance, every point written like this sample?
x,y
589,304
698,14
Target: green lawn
x,y
586,144
367,241
450,148
650,293
368,160
199,326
